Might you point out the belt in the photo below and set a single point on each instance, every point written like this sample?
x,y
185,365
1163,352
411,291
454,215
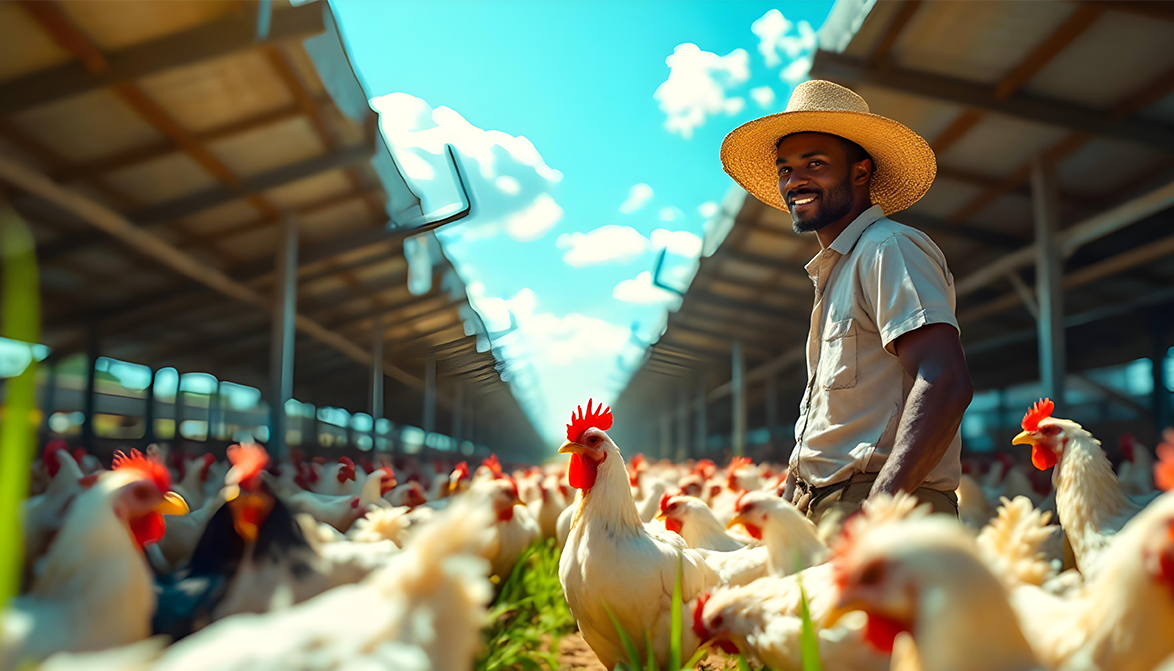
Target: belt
x,y
807,495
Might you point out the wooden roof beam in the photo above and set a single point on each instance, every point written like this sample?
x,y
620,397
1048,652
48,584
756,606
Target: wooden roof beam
x,y
838,67
233,33
151,246
219,195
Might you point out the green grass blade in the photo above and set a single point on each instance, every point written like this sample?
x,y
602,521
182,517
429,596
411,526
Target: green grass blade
x,y
625,640
21,314
808,640
675,616
742,664
697,657
650,664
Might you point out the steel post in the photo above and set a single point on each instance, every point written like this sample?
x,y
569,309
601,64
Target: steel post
x,y
1049,265
281,343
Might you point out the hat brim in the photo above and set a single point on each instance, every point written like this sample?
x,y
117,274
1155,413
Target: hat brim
x,y
904,165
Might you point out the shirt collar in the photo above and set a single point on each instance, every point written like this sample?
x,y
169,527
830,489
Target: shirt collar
x,y
847,238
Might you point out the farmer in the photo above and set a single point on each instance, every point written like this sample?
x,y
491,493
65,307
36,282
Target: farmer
x,y
887,379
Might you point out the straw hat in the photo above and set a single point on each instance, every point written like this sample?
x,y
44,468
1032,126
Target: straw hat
x,y
904,164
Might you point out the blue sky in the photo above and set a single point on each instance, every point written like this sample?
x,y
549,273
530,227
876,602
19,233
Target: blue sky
x,y
591,131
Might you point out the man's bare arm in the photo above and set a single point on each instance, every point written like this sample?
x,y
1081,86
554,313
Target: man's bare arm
x,y
941,391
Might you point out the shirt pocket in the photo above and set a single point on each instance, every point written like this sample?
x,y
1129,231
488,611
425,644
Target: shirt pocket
x,y
838,358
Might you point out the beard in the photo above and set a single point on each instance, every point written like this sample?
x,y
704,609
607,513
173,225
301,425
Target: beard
x,y
833,206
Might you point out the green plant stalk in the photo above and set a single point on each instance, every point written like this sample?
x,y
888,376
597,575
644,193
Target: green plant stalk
x,y
21,313
808,640
675,616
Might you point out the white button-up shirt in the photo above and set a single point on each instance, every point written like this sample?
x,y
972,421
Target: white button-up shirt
x,y
877,281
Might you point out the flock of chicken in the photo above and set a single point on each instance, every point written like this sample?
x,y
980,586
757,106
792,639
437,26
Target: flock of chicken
x,y
244,563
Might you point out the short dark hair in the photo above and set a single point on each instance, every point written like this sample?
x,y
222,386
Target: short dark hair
x,y
854,151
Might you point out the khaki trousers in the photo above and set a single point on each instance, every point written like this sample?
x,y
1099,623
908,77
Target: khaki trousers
x,y
846,497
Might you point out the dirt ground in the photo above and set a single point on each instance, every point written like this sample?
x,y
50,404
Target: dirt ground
x,y
574,655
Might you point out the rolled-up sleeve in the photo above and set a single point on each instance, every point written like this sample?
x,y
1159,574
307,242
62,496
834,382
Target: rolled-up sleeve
x,y
906,286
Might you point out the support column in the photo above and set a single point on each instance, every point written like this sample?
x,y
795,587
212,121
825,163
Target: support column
x,y
49,400
1161,394
215,414
666,433
281,342
148,415
377,370
738,397
458,407
430,393
772,408
1049,270
702,428
92,349
683,426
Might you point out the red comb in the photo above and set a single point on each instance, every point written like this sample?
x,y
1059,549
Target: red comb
x,y
664,502
78,453
249,460
738,501
148,468
698,623
1041,410
52,464
346,461
493,465
600,419
1164,466
462,470
739,462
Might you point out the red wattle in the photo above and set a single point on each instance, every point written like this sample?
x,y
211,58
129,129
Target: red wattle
x,y
881,632
672,525
582,471
1042,457
754,531
148,529
506,515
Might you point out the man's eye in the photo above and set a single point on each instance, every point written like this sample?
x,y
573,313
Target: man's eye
x,y
783,171
814,164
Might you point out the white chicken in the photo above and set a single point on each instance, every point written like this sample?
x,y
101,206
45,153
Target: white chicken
x,y
192,479
611,562
43,514
695,522
422,612
336,479
1091,506
95,590
791,539
514,529
925,577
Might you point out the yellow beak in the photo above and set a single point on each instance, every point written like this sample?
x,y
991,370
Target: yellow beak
x,y
660,516
735,521
173,504
838,612
1024,438
570,448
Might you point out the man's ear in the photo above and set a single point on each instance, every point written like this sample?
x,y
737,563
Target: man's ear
x,y
862,171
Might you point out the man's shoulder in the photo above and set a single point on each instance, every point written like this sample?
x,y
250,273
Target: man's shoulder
x,y
886,232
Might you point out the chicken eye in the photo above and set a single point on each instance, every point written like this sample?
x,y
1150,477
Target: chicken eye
x,y
1051,430
593,440
716,622
872,574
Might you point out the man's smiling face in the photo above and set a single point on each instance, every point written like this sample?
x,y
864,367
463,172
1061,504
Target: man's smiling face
x,y
815,179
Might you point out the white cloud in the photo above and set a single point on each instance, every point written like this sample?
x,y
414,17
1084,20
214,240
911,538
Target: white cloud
x,y
513,184
669,214
679,243
637,196
574,337
606,244
707,209
796,71
640,291
535,220
772,29
508,185
697,85
763,95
